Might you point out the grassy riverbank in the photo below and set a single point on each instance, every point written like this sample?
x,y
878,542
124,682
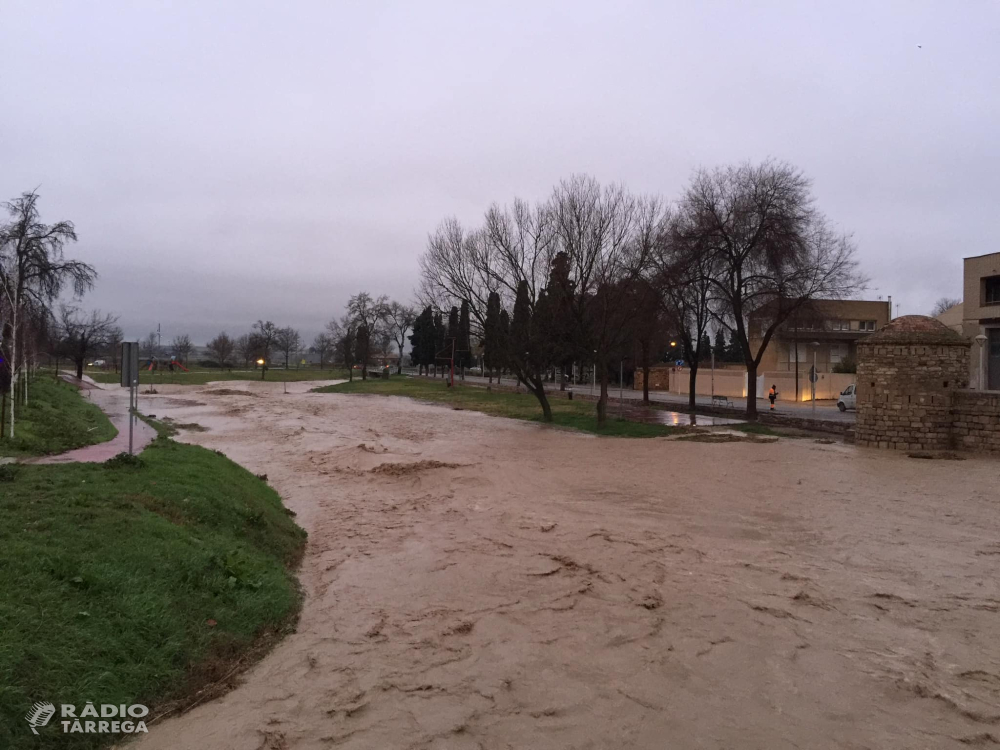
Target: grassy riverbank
x,y
141,583
58,418
579,415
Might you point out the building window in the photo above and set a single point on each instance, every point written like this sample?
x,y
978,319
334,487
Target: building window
x,y
840,325
838,353
867,325
991,291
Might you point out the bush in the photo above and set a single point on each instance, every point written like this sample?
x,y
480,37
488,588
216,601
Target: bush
x,y
846,366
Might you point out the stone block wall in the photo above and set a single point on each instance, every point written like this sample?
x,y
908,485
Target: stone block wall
x,y
905,393
659,378
976,421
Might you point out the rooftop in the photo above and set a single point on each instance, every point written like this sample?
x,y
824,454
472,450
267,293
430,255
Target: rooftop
x,y
916,329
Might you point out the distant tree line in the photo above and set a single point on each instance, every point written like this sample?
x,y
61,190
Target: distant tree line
x,y
369,329
595,275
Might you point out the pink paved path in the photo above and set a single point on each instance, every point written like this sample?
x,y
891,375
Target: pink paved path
x,y
114,403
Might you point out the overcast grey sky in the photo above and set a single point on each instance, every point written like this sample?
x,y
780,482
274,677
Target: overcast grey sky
x,y
227,161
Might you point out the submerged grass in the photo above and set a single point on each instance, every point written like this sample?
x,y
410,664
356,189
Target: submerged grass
x,y
135,581
579,415
57,418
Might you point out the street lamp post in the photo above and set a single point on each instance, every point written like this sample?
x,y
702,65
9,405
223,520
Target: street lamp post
x,y
814,375
981,340
621,388
713,372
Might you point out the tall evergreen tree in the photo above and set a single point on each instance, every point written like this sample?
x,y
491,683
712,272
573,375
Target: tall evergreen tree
x,y
463,347
705,346
527,348
422,340
491,334
558,320
719,348
346,345
440,336
361,346
503,342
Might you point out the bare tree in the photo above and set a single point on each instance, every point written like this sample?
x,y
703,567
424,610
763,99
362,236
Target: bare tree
x,y
245,348
347,345
182,346
288,342
683,272
150,346
85,335
944,304
221,348
33,272
399,319
367,316
772,250
322,345
114,348
608,236
264,334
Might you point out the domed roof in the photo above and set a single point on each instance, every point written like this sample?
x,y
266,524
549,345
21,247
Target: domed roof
x,y
916,329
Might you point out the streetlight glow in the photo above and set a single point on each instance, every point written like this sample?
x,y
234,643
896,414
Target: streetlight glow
x,y
260,361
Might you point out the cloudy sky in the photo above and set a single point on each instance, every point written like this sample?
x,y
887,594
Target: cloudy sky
x,y
228,161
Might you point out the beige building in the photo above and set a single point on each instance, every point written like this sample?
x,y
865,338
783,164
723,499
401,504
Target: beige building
x,y
830,330
981,318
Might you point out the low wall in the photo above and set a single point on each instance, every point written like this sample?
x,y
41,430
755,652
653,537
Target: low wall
x,y
659,378
733,383
975,424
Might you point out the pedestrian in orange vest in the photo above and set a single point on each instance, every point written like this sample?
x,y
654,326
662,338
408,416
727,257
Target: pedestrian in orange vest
x,y
772,394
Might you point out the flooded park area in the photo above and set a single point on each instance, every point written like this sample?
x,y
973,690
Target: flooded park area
x,y
479,582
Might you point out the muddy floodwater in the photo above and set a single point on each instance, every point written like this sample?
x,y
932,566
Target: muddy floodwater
x,y
475,582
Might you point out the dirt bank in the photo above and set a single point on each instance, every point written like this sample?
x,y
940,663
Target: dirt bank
x,y
522,587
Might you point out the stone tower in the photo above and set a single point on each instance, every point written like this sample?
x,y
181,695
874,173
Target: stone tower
x,y
907,374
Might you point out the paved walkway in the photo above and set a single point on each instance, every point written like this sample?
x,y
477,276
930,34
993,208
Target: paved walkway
x,y
825,410
114,403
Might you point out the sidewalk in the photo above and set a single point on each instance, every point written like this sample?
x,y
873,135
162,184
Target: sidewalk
x,y
824,410
114,403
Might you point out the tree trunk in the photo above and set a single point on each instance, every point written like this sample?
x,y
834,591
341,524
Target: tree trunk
x,y
644,352
692,386
79,367
602,402
537,386
751,391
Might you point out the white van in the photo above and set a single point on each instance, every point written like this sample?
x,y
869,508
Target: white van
x,y
848,398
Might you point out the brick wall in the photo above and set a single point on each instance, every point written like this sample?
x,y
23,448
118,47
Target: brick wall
x,y
905,394
976,420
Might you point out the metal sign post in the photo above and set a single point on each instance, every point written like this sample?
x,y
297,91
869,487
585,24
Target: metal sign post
x,y
130,379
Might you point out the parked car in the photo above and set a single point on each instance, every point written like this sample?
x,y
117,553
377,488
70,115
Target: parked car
x,y
848,398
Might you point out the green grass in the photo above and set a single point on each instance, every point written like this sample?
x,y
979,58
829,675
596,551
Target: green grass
x,y
110,577
579,415
57,418
200,376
